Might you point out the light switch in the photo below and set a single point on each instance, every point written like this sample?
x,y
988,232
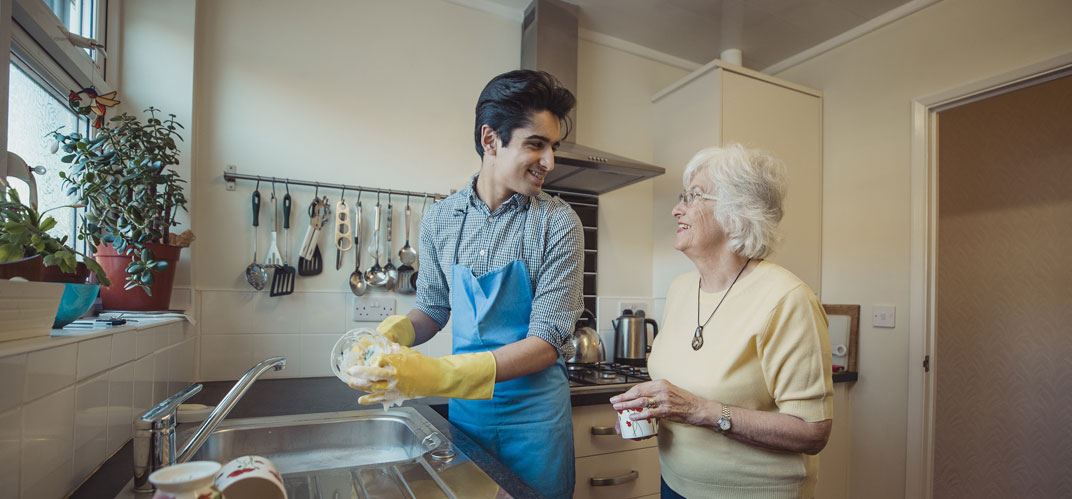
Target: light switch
x,y
883,315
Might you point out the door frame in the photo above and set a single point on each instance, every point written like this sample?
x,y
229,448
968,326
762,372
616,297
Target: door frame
x,y
919,455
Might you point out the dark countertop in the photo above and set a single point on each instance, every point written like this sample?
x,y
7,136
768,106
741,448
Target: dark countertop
x,y
282,397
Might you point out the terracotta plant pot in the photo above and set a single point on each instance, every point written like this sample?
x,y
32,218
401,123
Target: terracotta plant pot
x,y
54,274
114,297
27,268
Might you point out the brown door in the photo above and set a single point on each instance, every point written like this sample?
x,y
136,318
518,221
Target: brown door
x,y
1003,410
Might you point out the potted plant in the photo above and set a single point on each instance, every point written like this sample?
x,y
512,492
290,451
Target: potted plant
x,y
26,247
132,197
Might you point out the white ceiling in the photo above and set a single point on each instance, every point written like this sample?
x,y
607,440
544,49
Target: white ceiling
x,y
766,31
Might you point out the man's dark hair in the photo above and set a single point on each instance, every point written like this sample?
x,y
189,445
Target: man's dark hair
x,y
509,100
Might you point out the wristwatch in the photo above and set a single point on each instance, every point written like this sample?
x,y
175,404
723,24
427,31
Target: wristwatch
x,y
724,423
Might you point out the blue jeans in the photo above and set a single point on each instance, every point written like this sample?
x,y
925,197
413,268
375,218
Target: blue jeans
x,y
667,493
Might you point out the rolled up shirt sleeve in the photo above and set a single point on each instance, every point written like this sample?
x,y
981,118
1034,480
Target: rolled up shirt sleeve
x,y
557,299
433,290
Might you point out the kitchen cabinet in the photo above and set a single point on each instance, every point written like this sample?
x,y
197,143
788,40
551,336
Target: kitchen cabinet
x,y
719,104
602,454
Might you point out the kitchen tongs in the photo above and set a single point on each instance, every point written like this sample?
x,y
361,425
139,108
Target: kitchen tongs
x,y
311,262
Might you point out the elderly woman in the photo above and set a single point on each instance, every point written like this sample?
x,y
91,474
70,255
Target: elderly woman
x,y
742,389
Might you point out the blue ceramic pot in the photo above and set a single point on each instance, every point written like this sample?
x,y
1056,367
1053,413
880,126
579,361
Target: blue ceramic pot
x,y
76,301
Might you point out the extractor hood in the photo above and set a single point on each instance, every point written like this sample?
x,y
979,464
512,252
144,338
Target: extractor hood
x,y
549,43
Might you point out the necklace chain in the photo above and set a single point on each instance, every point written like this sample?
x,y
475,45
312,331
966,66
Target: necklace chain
x,y
697,338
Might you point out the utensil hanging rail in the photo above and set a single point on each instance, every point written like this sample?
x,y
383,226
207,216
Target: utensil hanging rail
x,y
231,176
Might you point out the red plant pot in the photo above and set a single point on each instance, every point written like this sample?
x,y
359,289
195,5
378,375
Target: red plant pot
x,y
28,268
114,297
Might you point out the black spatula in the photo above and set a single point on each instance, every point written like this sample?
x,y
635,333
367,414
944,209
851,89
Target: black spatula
x,y
312,266
283,278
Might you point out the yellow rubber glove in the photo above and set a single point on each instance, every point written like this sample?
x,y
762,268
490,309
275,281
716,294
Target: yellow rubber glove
x,y
465,376
399,329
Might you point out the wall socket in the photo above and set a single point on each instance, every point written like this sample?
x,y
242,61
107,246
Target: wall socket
x,y
634,306
372,309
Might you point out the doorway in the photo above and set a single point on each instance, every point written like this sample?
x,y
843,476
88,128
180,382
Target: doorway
x,y
1002,295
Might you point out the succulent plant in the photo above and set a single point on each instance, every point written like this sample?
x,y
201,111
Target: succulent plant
x,y
122,175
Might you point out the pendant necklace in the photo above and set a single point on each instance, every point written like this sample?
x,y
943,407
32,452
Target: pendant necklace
x,y
697,339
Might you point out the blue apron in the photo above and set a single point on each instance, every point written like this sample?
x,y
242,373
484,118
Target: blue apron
x,y
527,424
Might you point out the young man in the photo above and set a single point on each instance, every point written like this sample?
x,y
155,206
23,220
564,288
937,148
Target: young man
x,y
506,260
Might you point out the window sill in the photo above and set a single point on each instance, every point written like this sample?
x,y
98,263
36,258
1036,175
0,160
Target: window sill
x,y
68,335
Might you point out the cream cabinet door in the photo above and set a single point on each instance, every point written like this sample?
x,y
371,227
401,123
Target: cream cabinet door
x,y
593,432
618,475
787,123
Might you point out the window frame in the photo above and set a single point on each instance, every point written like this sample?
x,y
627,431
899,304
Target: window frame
x,y
31,35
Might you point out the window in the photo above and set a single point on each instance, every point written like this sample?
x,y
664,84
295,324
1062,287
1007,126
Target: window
x,y
34,111
44,65
78,16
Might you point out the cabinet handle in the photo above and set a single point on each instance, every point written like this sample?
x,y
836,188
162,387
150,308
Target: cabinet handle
x,y
603,430
617,480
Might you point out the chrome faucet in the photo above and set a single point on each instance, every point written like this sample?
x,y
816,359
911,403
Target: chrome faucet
x,y
154,431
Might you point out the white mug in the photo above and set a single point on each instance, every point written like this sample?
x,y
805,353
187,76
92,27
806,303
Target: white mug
x,y
636,429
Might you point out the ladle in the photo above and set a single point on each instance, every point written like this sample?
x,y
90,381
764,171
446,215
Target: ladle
x,y
375,276
357,279
389,269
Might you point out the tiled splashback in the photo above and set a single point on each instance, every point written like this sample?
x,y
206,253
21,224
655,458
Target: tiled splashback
x,y
65,409
241,328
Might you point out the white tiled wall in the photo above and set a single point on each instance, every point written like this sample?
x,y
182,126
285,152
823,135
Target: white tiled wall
x,y
242,328
66,409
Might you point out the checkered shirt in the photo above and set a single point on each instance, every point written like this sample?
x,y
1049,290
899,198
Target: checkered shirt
x,y
553,254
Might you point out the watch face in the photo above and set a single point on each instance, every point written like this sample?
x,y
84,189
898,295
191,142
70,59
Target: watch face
x,y
724,424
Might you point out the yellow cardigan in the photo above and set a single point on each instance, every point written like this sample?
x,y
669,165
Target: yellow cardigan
x,y
767,348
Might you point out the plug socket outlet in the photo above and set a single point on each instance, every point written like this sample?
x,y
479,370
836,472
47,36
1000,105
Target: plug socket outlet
x,y
634,306
372,308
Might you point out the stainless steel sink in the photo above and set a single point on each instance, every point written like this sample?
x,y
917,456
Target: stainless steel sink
x,y
354,454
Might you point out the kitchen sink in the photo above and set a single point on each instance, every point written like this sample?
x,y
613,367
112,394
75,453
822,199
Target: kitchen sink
x,y
353,454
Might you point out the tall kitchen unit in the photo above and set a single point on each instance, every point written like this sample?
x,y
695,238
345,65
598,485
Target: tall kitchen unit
x,y
719,104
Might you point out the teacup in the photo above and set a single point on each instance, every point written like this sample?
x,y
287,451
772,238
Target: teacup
x,y
186,481
250,477
636,429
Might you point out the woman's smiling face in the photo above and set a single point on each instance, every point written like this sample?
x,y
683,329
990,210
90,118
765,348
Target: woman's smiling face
x,y
698,230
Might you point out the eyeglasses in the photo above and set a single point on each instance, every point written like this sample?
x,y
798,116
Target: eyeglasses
x,y
690,197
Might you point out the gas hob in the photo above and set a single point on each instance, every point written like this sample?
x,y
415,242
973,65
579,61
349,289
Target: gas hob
x,y
581,375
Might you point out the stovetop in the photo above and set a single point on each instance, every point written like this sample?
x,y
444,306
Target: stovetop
x,y
606,374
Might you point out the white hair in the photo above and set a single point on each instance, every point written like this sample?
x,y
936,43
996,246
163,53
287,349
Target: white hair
x,y
749,185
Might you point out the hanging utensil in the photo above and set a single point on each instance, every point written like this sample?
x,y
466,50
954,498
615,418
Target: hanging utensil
x,y
342,229
407,255
375,275
256,276
358,286
272,258
283,279
392,272
311,262
413,278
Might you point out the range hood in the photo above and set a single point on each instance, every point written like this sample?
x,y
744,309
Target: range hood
x,y
549,43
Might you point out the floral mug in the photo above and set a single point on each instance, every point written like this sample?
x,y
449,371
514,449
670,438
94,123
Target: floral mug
x,y
252,477
636,429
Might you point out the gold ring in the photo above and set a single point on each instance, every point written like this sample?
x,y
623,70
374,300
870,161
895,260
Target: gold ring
x,y
651,403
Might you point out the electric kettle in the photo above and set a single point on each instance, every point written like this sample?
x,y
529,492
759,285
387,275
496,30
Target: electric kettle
x,y
631,338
